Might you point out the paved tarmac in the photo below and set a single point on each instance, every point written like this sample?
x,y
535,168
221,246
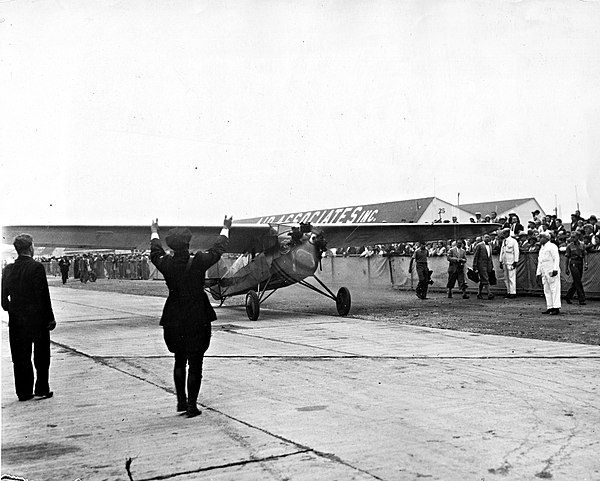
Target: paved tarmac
x,y
301,397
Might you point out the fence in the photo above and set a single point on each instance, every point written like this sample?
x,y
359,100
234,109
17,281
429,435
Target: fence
x,y
385,271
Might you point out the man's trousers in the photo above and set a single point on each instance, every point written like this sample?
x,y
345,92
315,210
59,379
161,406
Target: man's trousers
x,y
576,268
552,290
21,344
510,279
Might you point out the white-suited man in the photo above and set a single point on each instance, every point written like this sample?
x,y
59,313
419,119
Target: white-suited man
x,y
509,257
548,273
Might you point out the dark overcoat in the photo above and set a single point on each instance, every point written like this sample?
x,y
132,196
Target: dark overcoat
x,y
187,313
26,297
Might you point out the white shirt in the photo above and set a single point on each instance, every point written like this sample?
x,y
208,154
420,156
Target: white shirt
x,y
548,259
509,252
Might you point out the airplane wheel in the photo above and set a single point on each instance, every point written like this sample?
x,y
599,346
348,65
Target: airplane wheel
x,y
93,277
252,305
343,301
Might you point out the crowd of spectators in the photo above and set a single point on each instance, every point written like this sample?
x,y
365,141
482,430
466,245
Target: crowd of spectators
x,y
135,265
528,236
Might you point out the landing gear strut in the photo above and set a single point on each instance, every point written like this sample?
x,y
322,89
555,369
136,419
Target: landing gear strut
x,y
343,301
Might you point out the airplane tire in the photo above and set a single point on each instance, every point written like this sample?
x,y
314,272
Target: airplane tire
x,y
252,305
93,276
343,301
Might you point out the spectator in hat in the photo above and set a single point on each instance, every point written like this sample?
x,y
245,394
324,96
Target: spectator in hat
x,y
457,259
420,259
559,227
532,226
535,215
187,313
478,219
515,225
26,297
64,264
534,245
595,227
483,265
574,222
522,240
494,217
577,262
548,273
509,257
562,241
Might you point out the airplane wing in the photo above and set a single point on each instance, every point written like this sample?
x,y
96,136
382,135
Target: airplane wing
x,y
242,237
364,234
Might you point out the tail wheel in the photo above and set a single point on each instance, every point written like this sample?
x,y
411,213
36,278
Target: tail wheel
x,y
252,305
343,301
93,276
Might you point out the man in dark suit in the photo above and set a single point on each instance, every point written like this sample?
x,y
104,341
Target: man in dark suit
x,y
483,265
420,259
64,264
457,259
187,313
26,297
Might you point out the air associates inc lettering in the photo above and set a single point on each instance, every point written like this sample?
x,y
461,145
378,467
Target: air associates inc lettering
x,y
347,215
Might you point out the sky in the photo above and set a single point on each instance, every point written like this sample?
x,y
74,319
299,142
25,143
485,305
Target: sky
x,y
119,112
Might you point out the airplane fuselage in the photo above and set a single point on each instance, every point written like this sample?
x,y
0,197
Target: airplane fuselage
x,y
290,260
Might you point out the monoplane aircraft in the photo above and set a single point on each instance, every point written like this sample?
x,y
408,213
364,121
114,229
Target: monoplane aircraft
x,y
270,256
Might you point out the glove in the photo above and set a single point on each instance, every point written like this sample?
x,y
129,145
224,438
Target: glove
x,y
51,325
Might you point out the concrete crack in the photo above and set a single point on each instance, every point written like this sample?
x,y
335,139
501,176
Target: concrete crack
x,y
223,466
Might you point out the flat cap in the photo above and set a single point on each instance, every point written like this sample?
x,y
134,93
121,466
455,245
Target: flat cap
x,y
179,238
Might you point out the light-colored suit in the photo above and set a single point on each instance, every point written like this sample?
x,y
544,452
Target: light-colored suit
x,y
549,261
509,256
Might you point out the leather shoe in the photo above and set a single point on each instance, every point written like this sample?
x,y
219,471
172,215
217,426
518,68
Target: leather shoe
x,y
192,412
47,395
568,301
547,311
181,407
26,398
554,312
